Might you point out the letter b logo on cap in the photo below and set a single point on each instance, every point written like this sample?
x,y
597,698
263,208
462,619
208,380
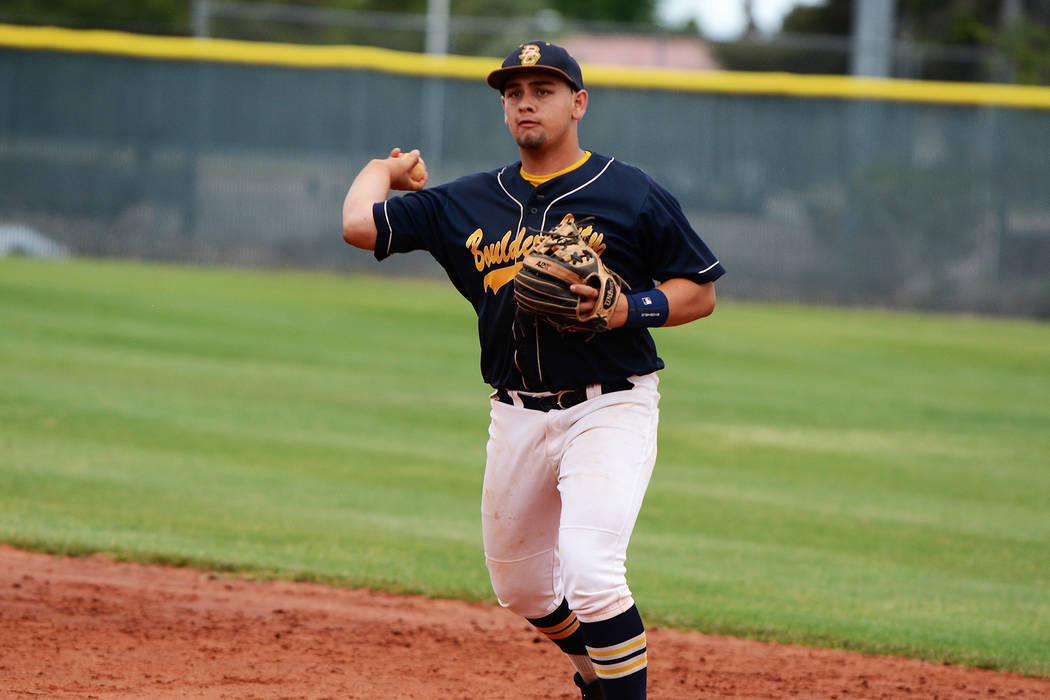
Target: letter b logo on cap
x,y
530,54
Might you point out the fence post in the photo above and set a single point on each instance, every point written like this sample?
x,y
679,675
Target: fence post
x,y
872,37
433,112
200,17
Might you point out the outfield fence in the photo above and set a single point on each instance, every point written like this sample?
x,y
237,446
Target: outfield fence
x,y
809,188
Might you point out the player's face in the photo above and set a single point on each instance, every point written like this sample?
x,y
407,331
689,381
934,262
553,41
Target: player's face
x,y
540,109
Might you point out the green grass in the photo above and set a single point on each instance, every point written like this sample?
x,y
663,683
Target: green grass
x,y
858,479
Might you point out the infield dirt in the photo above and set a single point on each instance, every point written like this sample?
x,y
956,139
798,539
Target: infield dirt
x,y
95,628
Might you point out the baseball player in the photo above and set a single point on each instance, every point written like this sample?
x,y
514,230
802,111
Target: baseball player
x,y
572,438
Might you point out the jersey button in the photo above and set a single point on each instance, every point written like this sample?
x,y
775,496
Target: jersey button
x,y
533,210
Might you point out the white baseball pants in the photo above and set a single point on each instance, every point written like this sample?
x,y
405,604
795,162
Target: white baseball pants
x,y
562,492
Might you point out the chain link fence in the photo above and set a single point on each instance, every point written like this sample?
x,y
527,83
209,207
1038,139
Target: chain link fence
x,y
890,203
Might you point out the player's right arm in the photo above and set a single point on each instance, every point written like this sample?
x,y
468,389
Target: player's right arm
x,y
399,171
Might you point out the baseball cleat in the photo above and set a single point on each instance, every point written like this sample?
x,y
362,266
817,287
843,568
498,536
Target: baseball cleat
x,y
590,691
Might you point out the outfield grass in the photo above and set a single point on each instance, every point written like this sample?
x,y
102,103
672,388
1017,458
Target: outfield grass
x,y
865,480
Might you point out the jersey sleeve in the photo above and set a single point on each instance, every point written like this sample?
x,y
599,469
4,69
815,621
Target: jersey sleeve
x,y
676,249
409,222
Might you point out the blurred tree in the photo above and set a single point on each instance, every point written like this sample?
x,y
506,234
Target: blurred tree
x,y
1027,47
164,16
635,11
813,39
173,15
974,40
834,17
298,21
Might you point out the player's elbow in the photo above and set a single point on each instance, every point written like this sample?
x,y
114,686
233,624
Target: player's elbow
x,y
359,230
697,302
705,305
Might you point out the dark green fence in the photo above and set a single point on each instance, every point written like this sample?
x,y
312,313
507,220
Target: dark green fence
x,y
841,200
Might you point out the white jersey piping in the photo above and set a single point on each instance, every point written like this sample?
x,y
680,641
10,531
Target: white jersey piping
x,y
521,207
390,238
543,225
521,216
543,222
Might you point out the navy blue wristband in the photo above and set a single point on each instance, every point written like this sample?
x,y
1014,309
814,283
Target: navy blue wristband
x,y
646,309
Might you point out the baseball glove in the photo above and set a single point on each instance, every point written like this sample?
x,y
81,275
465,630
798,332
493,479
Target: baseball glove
x,y
559,259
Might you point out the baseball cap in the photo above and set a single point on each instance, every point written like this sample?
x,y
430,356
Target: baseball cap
x,y
541,56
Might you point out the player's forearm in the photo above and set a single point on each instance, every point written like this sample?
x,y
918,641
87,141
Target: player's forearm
x,y
371,185
687,301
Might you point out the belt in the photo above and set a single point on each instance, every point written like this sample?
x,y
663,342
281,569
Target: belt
x,y
560,399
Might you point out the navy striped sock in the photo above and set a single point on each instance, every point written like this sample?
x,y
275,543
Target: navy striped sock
x,y
618,649
562,628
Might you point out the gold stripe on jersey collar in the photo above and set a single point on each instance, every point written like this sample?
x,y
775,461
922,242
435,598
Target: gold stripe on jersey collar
x,y
537,180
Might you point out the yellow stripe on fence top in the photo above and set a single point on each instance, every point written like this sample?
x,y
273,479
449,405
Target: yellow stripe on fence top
x,y
473,68
830,86
232,51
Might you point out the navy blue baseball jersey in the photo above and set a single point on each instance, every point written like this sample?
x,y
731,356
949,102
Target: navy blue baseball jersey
x,y
480,227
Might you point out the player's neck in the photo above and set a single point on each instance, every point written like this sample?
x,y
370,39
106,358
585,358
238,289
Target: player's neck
x,y
544,162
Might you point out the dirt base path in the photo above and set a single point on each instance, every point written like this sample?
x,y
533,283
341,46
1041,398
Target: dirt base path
x,y
94,628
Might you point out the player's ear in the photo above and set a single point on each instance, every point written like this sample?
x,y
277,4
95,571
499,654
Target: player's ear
x,y
579,104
